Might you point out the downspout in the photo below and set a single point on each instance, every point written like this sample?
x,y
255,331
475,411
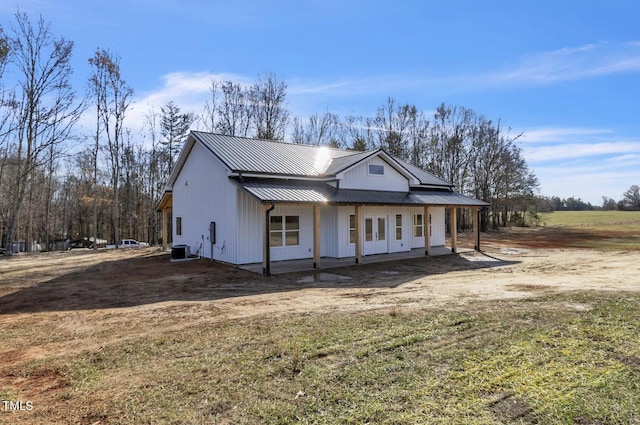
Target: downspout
x,y
267,235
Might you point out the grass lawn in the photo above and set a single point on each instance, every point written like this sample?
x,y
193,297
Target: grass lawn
x,y
561,359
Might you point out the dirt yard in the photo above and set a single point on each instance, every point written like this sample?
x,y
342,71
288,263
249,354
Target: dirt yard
x,y
86,293
84,300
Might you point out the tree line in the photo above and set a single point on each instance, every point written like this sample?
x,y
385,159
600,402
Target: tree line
x,y
630,201
58,184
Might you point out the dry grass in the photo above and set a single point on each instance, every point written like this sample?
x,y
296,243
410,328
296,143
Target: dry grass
x,y
532,361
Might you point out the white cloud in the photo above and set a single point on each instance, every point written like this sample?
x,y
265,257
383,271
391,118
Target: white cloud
x,y
583,162
566,134
586,182
188,90
588,61
578,150
551,67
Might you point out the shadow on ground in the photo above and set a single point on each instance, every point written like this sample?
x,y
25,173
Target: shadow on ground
x,y
153,279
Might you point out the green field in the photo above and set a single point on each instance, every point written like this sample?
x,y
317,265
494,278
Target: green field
x,y
590,218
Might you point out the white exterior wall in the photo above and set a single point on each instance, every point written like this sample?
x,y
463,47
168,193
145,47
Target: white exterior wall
x,y
202,194
359,178
329,231
346,249
305,247
437,227
251,217
250,234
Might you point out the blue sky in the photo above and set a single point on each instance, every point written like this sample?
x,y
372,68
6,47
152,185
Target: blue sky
x,y
564,72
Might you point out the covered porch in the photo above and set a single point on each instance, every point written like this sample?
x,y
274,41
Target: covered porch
x,y
272,192
292,266
165,208
367,226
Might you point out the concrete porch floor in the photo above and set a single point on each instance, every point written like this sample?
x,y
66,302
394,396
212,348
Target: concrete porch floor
x,y
289,266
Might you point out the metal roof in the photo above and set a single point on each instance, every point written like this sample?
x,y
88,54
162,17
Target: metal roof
x,y
258,156
269,157
423,176
297,191
444,197
274,190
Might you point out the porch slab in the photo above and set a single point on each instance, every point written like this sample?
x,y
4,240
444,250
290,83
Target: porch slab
x,y
290,266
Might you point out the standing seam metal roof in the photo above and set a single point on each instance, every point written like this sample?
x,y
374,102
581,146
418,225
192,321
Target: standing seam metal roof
x,y
258,156
269,157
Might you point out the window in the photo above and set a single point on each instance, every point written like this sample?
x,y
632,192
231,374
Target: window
x,y
377,170
352,228
292,230
418,225
179,226
368,229
398,227
285,231
276,230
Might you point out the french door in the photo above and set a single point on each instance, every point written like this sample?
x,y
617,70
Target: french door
x,y
375,235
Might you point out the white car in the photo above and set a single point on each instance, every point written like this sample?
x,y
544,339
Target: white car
x,y
129,243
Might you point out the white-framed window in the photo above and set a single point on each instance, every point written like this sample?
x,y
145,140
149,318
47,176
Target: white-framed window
x,y
352,229
398,227
376,170
418,225
178,226
285,230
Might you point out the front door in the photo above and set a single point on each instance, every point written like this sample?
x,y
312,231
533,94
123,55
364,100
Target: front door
x,y
375,235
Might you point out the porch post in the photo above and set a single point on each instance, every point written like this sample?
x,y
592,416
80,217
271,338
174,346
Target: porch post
x,y
266,240
358,214
165,229
427,235
316,236
454,229
476,228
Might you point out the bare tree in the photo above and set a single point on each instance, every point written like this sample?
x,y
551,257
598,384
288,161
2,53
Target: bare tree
x,y
234,110
112,96
325,129
208,117
269,110
6,112
357,133
46,108
156,171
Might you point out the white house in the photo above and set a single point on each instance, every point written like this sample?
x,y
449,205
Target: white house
x,y
243,201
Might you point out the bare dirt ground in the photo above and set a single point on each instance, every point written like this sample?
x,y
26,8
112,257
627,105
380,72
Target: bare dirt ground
x,y
84,300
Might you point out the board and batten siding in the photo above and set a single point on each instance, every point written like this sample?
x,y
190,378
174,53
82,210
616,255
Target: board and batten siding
x,y
346,249
251,232
437,227
329,231
203,194
359,177
250,216
305,247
